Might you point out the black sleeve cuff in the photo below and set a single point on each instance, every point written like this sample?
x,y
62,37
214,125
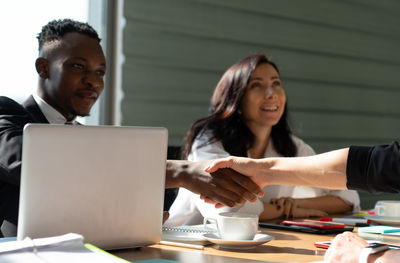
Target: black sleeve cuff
x,y
374,169
357,164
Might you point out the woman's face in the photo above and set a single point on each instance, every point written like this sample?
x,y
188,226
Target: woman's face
x,y
264,101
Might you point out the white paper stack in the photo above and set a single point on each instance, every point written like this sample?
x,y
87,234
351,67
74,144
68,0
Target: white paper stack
x,y
65,248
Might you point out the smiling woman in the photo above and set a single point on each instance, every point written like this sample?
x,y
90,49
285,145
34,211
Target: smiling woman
x,y
263,105
248,117
248,108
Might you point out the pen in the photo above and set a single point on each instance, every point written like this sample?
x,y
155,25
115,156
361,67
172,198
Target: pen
x,y
179,244
347,221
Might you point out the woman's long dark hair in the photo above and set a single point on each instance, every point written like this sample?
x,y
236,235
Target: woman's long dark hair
x,y
225,121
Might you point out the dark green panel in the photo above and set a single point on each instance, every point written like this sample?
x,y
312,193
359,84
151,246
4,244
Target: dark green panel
x,y
205,54
296,26
339,63
347,126
167,79
329,144
337,97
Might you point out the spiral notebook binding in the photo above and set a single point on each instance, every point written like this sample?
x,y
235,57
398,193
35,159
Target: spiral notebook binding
x,y
190,229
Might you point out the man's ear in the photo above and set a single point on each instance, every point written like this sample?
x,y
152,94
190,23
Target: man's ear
x,y
42,67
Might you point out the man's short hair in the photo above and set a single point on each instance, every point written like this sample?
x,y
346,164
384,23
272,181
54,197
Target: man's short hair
x,y
56,29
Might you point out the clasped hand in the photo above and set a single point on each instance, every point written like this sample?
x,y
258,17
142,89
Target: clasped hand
x,y
292,207
222,187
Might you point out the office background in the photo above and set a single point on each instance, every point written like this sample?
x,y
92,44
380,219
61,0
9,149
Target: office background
x,y
339,61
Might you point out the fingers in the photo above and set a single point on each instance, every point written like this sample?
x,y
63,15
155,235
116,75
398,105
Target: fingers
x,y
218,205
229,189
273,201
218,164
207,200
240,184
165,216
213,187
212,202
224,197
288,204
280,205
246,182
223,192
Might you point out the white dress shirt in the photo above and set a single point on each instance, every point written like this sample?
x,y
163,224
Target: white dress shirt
x,y
189,209
51,114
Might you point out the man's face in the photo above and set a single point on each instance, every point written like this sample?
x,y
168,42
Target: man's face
x,y
74,72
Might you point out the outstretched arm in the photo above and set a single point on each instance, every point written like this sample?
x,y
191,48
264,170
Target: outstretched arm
x,y
224,186
327,170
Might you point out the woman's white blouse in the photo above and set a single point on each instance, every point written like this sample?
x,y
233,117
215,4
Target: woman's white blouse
x,y
189,209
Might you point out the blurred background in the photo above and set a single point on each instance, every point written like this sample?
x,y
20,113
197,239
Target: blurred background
x,y
339,61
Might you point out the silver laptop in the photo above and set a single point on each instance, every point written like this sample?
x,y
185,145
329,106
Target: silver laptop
x,y
104,182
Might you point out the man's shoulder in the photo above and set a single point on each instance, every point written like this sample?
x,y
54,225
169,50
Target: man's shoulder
x,y
27,112
10,106
13,114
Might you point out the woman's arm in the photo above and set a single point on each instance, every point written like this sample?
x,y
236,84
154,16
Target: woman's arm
x,y
282,208
304,207
327,170
271,211
329,203
316,206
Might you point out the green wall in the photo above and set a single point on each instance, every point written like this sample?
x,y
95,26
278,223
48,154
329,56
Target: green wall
x,y
339,62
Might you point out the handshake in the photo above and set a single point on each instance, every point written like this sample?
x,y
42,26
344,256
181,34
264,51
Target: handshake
x,y
221,186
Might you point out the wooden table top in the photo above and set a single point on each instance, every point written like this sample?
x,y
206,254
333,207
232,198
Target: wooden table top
x,y
287,246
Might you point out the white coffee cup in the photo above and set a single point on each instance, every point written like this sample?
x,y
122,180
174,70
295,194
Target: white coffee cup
x,y
235,226
389,208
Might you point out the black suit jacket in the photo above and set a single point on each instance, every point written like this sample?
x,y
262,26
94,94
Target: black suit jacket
x,y
13,118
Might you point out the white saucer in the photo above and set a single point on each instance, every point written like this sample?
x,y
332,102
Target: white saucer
x,y
385,220
238,244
